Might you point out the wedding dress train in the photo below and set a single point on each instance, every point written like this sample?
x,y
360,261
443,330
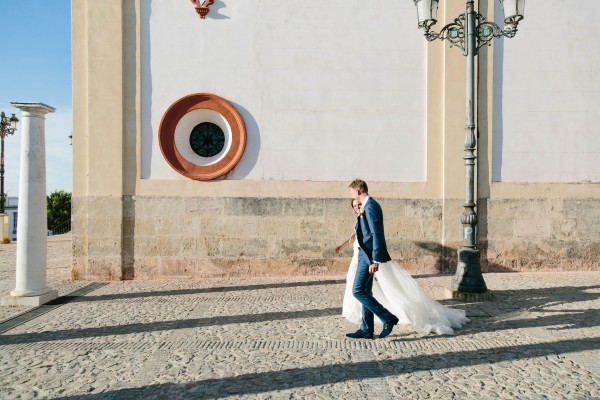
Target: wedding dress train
x,y
397,291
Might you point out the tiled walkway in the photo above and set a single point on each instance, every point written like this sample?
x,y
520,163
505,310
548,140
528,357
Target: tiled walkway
x,y
283,338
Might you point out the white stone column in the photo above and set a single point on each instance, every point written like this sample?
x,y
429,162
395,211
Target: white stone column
x,y
32,231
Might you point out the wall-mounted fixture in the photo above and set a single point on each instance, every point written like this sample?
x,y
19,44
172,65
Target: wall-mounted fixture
x,y
202,8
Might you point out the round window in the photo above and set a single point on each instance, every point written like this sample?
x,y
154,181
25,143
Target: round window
x,y
202,136
207,139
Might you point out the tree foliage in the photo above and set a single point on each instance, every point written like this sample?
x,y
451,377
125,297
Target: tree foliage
x,y
59,208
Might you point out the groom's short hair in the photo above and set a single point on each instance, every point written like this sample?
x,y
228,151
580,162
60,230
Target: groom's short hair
x,y
359,184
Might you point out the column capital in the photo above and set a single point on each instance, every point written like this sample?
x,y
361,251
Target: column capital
x,y
36,109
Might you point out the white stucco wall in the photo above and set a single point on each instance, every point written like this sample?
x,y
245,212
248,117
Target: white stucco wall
x,y
329,90
547,96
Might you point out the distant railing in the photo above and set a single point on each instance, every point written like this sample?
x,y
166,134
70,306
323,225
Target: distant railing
x,y
60,228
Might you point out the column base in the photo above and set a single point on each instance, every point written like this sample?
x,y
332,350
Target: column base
x,y
33,301
465,296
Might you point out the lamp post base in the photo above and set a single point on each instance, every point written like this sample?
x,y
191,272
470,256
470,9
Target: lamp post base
x,y
464,296
468,278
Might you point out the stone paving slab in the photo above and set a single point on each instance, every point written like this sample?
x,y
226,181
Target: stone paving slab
x,y
283,338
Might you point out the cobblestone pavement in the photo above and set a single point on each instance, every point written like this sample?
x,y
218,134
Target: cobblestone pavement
x,y
283,338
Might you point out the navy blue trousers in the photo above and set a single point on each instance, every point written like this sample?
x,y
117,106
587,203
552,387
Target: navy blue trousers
x,y
363,291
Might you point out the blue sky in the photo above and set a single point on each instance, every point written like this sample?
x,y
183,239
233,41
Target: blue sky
x,y
36,67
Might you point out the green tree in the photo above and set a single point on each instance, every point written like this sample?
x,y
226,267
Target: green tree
x,y
59,210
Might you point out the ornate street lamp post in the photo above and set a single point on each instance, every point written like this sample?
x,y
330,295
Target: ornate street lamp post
x,y
8,126
470,31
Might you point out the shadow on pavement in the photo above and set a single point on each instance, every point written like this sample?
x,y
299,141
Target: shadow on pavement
x,y
505,314
256,383
162,326
545,307
194,291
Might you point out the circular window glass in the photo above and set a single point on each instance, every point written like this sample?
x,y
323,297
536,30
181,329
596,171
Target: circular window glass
x,y
207,139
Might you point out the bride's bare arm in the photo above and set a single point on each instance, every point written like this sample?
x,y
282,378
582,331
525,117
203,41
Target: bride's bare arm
x,y
347,242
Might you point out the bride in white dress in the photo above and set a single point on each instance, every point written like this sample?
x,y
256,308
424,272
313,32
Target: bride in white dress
x,y
397,291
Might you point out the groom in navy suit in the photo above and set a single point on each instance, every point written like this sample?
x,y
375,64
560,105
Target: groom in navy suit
x,y
372,252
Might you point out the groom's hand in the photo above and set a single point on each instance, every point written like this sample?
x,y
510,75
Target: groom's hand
x,y
373,268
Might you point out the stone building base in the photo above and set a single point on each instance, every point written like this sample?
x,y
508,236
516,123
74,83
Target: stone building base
x,y
145,237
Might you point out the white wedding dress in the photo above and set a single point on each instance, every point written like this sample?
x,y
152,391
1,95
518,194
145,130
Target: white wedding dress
x,y
397,291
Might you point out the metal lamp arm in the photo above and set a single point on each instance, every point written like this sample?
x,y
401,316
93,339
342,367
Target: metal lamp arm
x,y
487,31
453,32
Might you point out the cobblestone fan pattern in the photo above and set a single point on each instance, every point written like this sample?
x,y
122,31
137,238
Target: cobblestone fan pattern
x,y
283,338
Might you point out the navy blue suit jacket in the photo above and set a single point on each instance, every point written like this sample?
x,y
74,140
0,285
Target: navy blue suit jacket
x,y
369,232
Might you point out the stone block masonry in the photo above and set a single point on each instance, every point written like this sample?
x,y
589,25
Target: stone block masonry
x,y
148,237
541,234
